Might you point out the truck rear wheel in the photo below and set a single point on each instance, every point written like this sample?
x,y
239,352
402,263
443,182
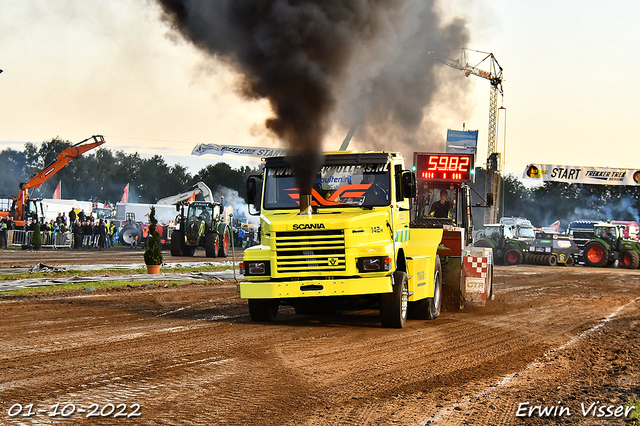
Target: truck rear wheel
x,y
211,244
429,308
570,261
629,259
552,260
177,240
512,257
263,310
595,254
393,306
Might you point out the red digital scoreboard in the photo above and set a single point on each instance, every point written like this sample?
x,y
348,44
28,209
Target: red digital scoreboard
x,y
444,167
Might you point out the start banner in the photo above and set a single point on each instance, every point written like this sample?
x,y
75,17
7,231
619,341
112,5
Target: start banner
x,y
586,175
248,151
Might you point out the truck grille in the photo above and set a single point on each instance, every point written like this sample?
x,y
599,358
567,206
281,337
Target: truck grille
x,y
310,251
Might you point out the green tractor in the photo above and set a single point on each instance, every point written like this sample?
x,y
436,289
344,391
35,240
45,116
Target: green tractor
x,y
608,245
202,226
507,249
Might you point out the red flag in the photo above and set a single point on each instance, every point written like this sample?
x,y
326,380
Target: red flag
x,y
57,192
125,195
193,197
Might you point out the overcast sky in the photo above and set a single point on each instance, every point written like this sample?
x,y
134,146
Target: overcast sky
x,y
75,68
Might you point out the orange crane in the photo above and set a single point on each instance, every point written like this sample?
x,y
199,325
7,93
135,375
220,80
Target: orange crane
x,y
19,209
494,75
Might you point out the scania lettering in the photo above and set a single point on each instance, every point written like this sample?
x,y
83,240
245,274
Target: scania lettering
x,y
308,226
363,238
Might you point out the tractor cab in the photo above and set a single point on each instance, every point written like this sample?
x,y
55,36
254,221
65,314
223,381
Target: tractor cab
x,y
609,233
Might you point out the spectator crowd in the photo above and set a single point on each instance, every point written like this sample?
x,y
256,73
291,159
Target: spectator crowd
x,y
87,231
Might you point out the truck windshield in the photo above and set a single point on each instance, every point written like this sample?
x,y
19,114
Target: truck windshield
x,y
362,185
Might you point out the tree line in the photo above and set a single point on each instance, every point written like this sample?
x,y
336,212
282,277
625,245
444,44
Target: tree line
x,y
102,175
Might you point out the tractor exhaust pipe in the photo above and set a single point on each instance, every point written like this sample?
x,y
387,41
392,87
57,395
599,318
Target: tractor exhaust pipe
x,y
305,204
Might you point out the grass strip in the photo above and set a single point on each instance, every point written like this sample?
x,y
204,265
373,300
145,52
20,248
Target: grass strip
x,y
81,288
110,272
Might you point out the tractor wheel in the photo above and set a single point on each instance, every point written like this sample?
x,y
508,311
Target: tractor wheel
x,y
552,260
263,310
512,257
629,259
177,240
570,261
225,240
393,306
429,308
211,244
595,254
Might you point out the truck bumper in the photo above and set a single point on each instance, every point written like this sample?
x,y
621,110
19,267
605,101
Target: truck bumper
x,y
315,288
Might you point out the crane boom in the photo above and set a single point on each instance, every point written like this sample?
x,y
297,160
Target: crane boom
x,y
494,75
51,169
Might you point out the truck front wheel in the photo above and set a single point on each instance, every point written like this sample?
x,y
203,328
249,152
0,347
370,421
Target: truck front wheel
x,y
263,310
393,306
429,308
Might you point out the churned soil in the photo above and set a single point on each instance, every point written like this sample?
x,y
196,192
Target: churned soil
x,y
189,354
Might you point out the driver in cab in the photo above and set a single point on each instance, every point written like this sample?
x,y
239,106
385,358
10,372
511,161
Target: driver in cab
x,y
377,193
441,208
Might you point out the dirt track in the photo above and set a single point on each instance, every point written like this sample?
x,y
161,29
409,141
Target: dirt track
x,y
190,355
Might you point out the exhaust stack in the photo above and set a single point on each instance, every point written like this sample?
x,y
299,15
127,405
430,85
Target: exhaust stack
x,y
305,204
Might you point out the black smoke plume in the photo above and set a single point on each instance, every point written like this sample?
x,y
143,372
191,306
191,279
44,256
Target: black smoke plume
x,y
308,57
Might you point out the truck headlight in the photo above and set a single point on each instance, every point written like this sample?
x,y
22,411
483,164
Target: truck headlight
x,y
374,264
254,268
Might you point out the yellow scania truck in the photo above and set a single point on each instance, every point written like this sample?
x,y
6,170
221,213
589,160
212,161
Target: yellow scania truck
x,y
365,237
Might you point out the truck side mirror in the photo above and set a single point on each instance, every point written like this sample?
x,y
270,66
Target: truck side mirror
x,y
408,186
252,194
251,190
489,199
